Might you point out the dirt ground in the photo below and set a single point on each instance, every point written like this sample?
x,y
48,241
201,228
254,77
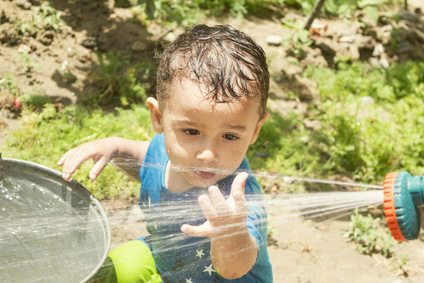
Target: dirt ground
x,y
302,251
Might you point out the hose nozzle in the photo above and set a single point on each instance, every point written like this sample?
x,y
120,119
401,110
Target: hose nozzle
x,y
403,196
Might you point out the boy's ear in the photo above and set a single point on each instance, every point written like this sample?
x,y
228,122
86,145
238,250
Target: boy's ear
x,y
155,114
258,127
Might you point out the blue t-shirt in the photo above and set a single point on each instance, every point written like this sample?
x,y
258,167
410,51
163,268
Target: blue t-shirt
x,y
183,258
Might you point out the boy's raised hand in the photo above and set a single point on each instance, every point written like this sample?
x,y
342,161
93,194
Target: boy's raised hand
x,y
225,217
101,151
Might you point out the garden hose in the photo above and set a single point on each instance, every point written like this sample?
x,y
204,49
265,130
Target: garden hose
x,y
403,197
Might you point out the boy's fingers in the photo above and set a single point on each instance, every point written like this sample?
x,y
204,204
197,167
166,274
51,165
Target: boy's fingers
x,y
240,203
238,183
98,168
207,208
217,198
64,157
196,231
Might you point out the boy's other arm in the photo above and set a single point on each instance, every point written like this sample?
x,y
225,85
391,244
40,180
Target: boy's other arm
x,y
233,249
127,155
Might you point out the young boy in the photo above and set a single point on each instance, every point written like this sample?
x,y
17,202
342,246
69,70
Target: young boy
x,y
197,192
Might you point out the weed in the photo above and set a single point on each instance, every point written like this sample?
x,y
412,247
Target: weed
x,y
190,12
400,266
50,19
116,78
27,64
297,38
35,99
369,240
8,83
24,29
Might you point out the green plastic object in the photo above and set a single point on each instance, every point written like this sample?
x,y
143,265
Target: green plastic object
x,y
403,197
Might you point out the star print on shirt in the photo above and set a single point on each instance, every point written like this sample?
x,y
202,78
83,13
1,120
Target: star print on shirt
x,y
209,270
200,253
188,281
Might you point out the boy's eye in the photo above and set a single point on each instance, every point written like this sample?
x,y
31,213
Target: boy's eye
x,y
230,137
192,132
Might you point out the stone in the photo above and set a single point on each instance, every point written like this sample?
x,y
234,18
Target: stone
x,y
306,89
375,63
384,62
3,18
25,5
170,37
139,46
274,40
378,50
46,38
408,16
89,43
347,39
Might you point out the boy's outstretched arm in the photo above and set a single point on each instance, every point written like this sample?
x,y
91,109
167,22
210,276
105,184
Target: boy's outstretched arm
x,y
125,154
233,249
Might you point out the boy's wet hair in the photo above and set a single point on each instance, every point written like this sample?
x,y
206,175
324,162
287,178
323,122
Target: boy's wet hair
x,y
221,58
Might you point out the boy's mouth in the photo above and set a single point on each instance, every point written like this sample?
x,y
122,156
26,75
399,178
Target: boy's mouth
x,y
205,174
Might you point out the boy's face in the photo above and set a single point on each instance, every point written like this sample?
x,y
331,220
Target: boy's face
x,y
205,140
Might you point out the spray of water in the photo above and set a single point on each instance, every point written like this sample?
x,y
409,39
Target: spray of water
x,y
42,229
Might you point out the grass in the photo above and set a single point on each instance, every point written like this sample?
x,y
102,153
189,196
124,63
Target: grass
x,y
44,137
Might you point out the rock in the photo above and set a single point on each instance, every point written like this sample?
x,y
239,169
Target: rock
x,y
375,63
85,57
306,89
3,35
328,48
384,62
315,57
274,40
290,71
354,51
378,50
347,39
3,18
89,43
366,42
408,16
169,37
23,48
23,4
46,38
372,33
139,46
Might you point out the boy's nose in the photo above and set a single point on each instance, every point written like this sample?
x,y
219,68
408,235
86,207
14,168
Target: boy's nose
x,y
207,154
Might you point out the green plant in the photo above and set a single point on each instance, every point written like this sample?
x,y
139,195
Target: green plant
x,y
26,28
297,38
34,99
44,136
190,12
400,266
368,238
115,78
50,19
27,64
8,83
